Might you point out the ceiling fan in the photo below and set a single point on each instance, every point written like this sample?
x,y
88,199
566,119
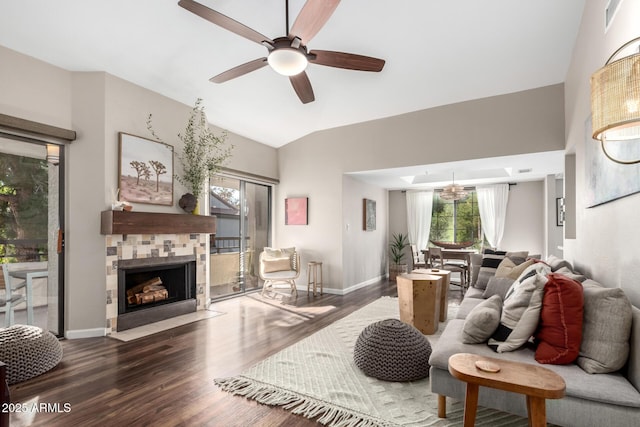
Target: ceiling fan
x,y
288,55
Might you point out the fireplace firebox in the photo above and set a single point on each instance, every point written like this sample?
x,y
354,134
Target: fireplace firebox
x,y
154,289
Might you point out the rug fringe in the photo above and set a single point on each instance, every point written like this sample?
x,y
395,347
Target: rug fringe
x,y
325,413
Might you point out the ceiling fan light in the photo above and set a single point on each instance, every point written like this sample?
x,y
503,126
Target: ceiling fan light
x,y
287,61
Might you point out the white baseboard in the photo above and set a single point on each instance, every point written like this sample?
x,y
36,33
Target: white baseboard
x,y
352,288
85,333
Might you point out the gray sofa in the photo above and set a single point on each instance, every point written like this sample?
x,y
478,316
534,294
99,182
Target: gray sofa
x,y
604,399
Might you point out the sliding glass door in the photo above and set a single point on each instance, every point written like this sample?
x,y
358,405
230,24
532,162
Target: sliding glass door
x,y
243,211
31,247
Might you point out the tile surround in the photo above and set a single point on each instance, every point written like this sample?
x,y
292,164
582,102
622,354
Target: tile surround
x,y
135,246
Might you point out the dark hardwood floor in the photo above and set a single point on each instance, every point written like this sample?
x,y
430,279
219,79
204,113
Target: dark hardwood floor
x,y
166,379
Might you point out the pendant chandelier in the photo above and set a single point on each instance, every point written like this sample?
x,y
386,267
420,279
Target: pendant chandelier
x,y
453,191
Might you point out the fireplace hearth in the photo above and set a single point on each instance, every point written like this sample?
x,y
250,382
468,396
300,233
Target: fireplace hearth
x,y
154,289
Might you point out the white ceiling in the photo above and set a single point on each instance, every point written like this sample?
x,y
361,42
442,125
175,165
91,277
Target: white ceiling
x,y
436,53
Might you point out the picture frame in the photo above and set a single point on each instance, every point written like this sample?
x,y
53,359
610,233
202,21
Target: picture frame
x,y
368,215
296,211
560,211
145,170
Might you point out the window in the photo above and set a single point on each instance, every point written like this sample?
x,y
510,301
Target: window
x,y
456,221
242,209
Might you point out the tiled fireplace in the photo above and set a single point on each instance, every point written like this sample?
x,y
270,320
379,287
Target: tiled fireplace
x,y
153,249
141,241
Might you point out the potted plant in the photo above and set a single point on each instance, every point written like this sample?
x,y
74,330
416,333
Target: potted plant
x,y
203,153
399,243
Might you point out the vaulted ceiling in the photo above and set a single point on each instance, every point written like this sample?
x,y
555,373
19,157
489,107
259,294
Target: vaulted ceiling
x,y
436,52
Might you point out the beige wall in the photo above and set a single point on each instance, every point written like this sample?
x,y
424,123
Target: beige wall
x,y
523,122
97,106
606,236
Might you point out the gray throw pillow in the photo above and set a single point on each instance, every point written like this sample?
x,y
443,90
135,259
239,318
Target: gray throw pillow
x,y
490,261
498,286
482,321
520,314
606,328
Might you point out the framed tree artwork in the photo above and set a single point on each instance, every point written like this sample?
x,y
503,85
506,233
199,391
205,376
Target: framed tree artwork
x,y
145,170
296,211
368,214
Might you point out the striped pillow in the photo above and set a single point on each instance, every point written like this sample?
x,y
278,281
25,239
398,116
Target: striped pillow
x,y
490,261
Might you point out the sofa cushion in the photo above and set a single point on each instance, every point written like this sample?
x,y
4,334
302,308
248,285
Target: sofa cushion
x,y
606,329
512,268
490,261
557,263
520,313
560,328
498,286
482,321
565,271
580,384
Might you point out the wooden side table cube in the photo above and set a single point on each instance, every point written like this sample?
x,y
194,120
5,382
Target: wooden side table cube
x,y
419,299
444,292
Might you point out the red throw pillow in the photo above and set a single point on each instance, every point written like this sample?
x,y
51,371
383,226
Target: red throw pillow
x,y
559,331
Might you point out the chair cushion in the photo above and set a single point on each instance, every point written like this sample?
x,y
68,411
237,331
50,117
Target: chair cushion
x,y
560,328
276,264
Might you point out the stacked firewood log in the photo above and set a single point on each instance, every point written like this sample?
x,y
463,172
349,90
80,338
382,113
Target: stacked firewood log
x,y
147,292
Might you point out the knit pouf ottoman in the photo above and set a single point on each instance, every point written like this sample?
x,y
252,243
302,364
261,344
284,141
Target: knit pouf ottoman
x,y
28,351
392,350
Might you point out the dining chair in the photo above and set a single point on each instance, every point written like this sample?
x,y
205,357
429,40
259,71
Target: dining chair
x,y
436,260
11,297
418,258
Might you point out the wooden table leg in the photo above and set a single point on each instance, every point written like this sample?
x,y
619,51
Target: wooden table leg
x,y
442,406
536,409
471,405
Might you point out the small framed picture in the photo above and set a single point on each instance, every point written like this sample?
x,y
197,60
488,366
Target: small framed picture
x,y
368,215
145,170
296,211
560,211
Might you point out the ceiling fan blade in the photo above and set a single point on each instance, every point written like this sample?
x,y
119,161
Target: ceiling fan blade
x,y
349,61
224,21
302,86
240,70
311,19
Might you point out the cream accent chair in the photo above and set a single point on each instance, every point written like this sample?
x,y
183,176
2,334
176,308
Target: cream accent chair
x,y
9,299
279,266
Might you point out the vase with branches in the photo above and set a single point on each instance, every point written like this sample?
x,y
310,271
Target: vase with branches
x,y
203,154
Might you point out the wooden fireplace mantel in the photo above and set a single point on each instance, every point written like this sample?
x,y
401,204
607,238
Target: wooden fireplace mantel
x,y
122,222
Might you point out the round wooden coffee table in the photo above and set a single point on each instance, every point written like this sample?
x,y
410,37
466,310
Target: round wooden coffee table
x,y
536,382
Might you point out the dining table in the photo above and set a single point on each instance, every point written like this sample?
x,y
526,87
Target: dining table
x,y
457,254
28,275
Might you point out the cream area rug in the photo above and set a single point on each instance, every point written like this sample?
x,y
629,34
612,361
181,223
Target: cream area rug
x,y
317,378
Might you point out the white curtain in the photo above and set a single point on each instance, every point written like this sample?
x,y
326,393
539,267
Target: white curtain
x,y
492,204
419,206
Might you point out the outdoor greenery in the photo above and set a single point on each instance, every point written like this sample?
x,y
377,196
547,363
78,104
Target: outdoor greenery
x,y
203,152
23,207
399,243
457,221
